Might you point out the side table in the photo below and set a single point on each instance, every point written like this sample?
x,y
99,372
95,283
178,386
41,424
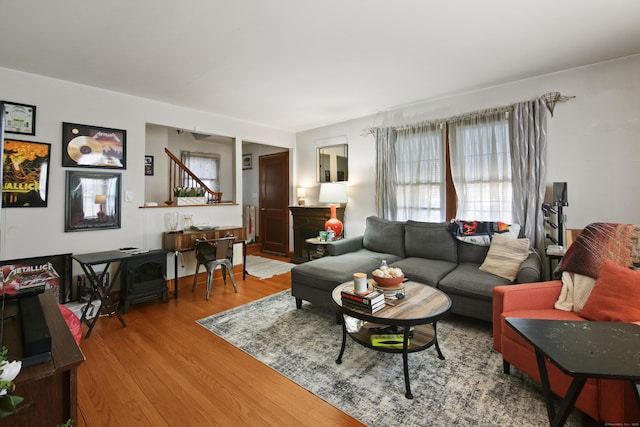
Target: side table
x,y
581,349
319,246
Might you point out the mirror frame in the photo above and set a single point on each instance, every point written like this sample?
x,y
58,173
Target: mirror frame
x,y
335,175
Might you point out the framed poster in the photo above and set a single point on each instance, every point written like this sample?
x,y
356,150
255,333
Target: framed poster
x,y
25,174
93,201
148,165
247,161
28,275
19,118
93,146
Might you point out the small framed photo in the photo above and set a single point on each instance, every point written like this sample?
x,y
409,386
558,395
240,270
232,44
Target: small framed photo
x,y
148,165
89,146
247,161
19,118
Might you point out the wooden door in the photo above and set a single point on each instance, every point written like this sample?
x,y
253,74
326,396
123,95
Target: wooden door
x,y
274,202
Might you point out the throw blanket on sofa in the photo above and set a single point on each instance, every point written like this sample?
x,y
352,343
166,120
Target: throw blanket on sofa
x,y
479,232
581,264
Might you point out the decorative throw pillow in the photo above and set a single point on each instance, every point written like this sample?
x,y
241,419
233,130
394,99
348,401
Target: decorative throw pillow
x,y
505,256
615,296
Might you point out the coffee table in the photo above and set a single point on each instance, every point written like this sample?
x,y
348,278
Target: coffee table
x,y
581,349
421,308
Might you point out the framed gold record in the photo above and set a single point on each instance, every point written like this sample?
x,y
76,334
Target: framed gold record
x,y
89,146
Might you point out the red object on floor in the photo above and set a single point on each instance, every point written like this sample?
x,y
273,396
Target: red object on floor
x,y
72,322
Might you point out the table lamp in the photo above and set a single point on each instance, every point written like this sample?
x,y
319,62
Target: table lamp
x,y
101,199
334,192
301,193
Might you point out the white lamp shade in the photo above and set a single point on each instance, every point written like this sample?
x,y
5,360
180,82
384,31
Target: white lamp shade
x,y
301,192
334,192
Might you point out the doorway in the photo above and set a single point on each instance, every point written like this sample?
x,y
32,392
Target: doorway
x,y
274,202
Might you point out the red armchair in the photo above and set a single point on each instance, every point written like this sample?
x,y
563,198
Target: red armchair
x,y
610,401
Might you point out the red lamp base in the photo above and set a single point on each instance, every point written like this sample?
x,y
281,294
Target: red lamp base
x,y
334,223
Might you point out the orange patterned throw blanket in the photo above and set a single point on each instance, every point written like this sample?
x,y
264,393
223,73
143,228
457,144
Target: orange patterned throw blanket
x,y
599,241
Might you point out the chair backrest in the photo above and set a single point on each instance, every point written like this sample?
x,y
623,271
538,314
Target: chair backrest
x,y
213,249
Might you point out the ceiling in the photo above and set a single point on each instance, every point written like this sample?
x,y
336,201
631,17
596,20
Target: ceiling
x,y
296,64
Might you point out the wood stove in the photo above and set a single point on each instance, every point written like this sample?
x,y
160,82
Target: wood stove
x,y
145,278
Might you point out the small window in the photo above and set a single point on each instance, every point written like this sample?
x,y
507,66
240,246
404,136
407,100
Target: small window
x,y
205,166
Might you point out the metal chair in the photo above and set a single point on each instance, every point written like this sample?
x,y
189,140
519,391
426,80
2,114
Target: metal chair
x,y
213,253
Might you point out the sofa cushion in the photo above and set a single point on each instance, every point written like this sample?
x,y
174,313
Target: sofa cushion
x,y
328,272
467,279
427,271
505,256
384,236
615,296
468,252
431,240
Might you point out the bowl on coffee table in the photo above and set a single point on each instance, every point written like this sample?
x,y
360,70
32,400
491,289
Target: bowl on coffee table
x,y
388,282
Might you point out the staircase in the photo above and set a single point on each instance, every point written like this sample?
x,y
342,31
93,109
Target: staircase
x,y
181,176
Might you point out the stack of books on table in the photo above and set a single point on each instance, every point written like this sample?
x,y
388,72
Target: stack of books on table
x,y
371,301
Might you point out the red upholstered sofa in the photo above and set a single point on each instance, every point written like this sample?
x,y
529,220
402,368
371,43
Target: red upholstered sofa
x,y
609,401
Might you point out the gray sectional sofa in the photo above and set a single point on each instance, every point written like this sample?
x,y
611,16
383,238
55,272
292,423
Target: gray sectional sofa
x,y
426,253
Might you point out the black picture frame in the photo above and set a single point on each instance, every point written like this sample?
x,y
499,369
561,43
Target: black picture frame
x,y
25,174
90,146
247,161
93,200
19,118
148,165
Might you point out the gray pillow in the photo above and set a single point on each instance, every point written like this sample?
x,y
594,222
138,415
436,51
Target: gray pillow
x,y
431,240
381,235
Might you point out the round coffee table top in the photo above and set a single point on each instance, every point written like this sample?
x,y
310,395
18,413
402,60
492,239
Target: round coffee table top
x,y
421,304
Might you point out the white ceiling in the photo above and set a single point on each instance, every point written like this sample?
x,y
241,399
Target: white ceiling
x,y
300,64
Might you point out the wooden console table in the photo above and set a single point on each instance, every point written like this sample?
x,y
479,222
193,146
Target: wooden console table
x,y
184,241
307,222
50,388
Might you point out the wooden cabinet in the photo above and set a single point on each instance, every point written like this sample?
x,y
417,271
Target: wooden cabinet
x,y
50,388
307,222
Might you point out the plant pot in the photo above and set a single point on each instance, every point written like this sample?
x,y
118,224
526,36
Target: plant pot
x,y
186,201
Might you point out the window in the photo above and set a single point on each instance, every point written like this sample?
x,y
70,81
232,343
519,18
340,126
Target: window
x,y
205,166
420,174
481,167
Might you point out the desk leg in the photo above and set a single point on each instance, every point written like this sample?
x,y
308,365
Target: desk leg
x,y
103,294
244,259
176,257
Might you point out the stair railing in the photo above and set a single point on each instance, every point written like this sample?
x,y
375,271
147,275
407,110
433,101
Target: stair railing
x,y
181,176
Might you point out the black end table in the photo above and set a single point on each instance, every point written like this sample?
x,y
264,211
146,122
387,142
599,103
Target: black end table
x,y
581,349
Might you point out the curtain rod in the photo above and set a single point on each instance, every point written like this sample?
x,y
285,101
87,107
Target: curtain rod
x,y
550,99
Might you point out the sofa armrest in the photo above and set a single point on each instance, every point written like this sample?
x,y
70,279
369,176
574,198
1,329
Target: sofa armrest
x,y
344,246
529,296
531,269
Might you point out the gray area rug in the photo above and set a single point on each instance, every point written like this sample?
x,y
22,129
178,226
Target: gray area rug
x,y
468,388
264,268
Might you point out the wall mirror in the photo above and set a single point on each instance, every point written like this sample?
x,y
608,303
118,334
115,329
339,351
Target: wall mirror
x,y
333,163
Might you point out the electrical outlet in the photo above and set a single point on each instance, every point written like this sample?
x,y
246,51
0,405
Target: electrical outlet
x,y
128,196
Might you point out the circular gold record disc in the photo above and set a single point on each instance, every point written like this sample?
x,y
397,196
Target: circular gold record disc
x,y
85,150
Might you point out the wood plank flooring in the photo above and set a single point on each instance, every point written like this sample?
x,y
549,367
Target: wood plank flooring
x,y
163,369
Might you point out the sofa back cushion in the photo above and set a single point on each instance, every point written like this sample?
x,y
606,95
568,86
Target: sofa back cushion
x,y
431,240
381,235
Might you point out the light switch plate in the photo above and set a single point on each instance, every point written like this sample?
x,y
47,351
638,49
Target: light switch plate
x,y
128,196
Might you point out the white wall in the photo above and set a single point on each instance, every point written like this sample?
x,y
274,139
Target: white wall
x,y
593,141
28,232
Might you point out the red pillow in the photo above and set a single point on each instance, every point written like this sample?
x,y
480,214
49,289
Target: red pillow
x,y
615,296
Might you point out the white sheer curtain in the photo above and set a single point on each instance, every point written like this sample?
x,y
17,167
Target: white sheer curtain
x,y
410,173
481,166
420,173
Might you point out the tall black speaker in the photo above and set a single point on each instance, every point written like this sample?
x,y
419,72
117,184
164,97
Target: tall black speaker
x,y
560,194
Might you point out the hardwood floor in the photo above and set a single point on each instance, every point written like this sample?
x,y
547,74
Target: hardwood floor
x,y
163,369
